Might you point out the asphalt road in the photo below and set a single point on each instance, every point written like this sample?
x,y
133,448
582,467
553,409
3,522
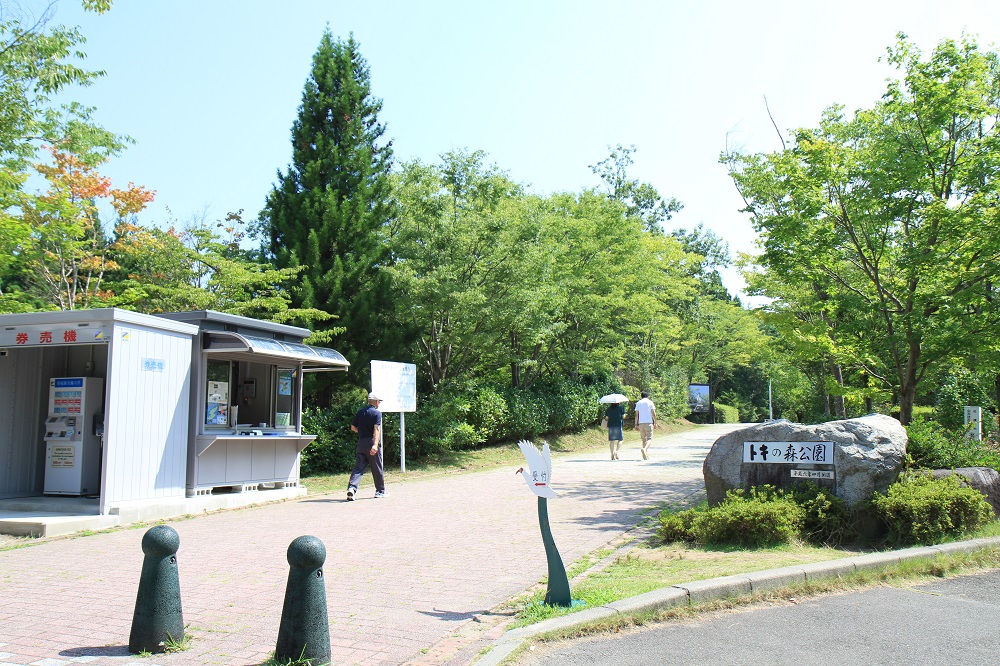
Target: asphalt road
x,y
954,621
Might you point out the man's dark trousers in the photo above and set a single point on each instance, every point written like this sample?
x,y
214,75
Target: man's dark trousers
x,y
363,460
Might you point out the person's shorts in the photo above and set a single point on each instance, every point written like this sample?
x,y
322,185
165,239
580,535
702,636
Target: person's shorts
x,y
646,430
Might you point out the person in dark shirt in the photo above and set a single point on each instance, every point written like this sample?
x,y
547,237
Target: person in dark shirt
x,y
615,418
368,424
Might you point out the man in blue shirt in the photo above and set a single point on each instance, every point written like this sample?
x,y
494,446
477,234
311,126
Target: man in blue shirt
x,y
368,424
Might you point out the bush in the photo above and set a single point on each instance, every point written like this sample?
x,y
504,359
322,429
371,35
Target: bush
x,y
919,509
676,526
750,519
726,413
828,520
333,449
488,414
959,388
933,446
764,515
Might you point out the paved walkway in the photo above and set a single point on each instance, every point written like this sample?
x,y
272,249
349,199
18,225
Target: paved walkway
x,y
406,577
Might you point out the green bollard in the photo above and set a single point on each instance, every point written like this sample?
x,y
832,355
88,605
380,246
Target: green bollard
x,y
305,631
158,617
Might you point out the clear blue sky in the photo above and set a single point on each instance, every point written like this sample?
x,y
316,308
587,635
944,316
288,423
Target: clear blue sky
x,y
209,88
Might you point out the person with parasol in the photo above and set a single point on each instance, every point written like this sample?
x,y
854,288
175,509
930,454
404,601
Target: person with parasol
x,y
614,420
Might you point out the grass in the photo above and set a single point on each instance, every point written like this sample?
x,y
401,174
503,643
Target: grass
x,y
912,572
649,566
646,568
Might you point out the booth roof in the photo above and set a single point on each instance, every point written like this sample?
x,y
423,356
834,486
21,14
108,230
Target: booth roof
x,y
240,345
214,320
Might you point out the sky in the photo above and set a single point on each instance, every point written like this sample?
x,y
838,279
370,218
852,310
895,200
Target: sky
x,y
208,89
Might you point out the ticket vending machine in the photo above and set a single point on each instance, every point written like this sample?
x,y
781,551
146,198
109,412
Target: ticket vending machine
x,y
73,432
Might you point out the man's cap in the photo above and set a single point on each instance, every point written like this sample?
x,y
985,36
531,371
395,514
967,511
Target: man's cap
x,y
374,397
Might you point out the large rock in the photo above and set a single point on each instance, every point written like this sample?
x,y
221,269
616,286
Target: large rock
x,y
868,454
984,479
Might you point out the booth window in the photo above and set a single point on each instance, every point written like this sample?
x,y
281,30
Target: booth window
x,y
251,394
284,395
217,393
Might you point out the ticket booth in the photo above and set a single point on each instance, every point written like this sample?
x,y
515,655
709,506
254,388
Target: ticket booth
x,y
246,401
93,404
150,416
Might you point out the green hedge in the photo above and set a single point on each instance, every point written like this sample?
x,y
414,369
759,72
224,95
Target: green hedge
x,y
726,413
459,416
934,446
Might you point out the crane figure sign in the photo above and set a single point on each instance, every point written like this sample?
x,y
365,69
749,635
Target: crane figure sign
x,y
539,480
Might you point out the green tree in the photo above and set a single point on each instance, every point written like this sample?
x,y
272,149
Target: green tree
x,y
887,222
37,62
641,200
330,210
65,254
467,264
197,268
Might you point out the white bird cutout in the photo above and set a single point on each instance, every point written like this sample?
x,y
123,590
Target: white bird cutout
x,y
540,464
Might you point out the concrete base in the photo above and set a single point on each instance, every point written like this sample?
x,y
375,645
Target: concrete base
x,y
54,516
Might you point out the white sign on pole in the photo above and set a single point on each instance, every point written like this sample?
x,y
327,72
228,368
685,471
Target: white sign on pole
x,y
396,385
973,422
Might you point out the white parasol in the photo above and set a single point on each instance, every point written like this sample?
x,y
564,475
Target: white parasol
x,y
613,398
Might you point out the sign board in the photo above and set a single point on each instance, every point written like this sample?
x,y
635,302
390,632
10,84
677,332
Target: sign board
x,y
820,453
52,335
396,384
699,398
974,422
812,474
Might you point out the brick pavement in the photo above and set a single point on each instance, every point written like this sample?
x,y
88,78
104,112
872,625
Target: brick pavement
x,y
446,551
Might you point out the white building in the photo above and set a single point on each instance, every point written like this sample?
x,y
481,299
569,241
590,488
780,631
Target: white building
x,y
109,416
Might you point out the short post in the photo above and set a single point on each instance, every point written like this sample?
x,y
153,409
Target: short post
x,y
305,631
158,617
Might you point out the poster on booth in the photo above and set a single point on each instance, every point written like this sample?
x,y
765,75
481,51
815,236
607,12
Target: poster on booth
x,y
396,385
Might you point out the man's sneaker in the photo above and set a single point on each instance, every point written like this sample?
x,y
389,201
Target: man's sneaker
x,y
350,494
644,456
381,493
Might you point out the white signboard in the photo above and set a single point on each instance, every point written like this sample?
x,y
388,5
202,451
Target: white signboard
x,y
396,384
973,422
812,474
57,334
820,453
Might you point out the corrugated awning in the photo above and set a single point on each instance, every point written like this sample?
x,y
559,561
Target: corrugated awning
x,y
252,348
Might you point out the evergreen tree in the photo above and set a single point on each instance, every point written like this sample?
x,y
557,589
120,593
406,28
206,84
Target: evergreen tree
x,y
330,211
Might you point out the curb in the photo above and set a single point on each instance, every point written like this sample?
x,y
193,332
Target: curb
x,y
701,591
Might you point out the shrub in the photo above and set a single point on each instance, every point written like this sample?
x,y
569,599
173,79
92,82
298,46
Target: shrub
x,y
676,526
933,446
919,509
959,388
488,414
751,519
726,413
828,520
333,449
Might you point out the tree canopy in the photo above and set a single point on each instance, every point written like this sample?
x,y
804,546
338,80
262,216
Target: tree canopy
x,y
879,231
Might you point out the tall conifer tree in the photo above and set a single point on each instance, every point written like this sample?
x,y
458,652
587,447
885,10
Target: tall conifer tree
x,y
331,208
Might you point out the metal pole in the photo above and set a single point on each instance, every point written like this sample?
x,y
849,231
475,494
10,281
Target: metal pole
x,y
770,411
402,441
